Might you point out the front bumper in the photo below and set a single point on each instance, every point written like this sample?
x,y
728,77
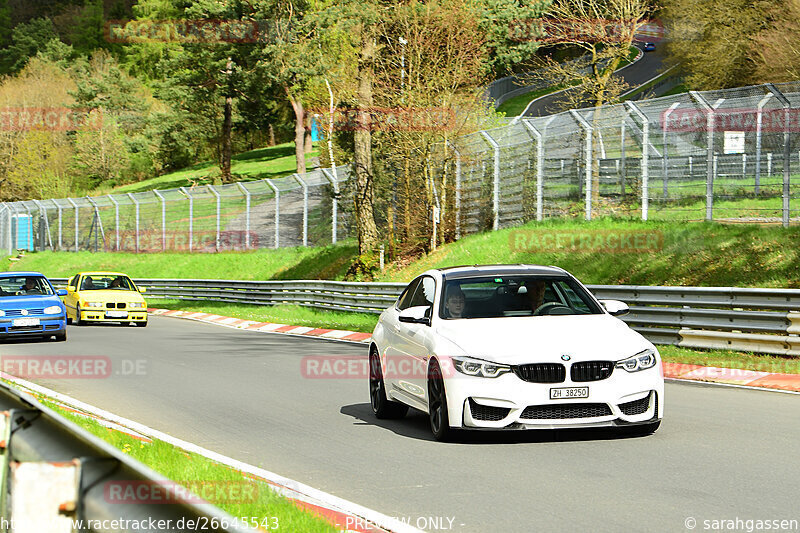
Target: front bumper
x,y
100,314
508,402
48,325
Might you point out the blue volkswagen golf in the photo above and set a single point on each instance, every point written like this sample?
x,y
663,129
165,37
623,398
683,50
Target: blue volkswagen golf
x,y
31,307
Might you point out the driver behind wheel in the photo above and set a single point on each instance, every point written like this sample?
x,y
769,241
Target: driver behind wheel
x,y
536,294
454,303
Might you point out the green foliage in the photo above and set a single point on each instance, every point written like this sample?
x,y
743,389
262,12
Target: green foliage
x,y
87,33
26,41
507,47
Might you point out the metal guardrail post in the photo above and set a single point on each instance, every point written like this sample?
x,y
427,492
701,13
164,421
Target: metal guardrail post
x,y
539,168
116,219
588,131
786,150
246,214
495,181
335,202
277,210
187,194
709,110
665,149
74,205
163,219
645,170
135,203
218,214
305,207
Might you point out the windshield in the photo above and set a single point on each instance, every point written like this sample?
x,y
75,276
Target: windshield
x,y
24,286
493,297
104,283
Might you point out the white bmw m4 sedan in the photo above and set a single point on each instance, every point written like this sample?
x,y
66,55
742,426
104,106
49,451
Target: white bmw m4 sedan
x,y
512,347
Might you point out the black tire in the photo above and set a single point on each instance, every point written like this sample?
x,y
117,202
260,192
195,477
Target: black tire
x,y
437,404
141,324
78,321
69,320
382,407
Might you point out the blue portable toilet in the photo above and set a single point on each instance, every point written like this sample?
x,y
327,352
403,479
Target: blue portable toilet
x,y
314,129
22,227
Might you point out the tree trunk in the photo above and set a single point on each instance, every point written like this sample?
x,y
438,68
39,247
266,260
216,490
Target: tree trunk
x,y
271,135
299,133
308,142
227,129
362,150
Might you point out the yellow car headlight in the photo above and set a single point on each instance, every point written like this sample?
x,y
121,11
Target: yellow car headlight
x,y
136,305
93,304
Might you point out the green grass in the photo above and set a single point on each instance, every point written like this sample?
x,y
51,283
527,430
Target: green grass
x,y
730,359
184,467
678,89
294,315
327,262
272,162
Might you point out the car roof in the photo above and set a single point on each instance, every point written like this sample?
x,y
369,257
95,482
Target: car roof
x,y
14,274
100,273
471,271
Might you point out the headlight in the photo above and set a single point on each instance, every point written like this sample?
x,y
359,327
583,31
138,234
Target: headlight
x,y
93,304
136,305
52,310
2,313
476,367
641,361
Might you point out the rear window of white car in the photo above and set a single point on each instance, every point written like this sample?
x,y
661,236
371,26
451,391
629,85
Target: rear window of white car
x,y
501,296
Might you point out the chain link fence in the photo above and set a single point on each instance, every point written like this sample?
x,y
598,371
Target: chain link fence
x,y
729,155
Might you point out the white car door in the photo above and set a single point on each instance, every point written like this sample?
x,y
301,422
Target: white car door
x,y
414,344
392,351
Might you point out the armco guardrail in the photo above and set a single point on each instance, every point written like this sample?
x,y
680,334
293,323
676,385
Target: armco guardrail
x,y
666,315
55,474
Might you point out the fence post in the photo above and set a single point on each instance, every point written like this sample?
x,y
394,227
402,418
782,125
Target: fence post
x,y
305,207
335,203
43,215
99,226
759,127
246,214
539,168
457,198
664,149
645,170
710,165
786,150
116,219
186,193
622,157
74,205
587,128
216,195
136,203
163,219
495,181
277,210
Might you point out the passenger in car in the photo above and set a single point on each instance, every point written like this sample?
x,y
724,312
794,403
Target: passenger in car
x,y
455,303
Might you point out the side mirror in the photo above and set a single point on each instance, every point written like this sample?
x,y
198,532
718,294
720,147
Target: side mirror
x,y
70,288
142,289
416,315
615,307
61,292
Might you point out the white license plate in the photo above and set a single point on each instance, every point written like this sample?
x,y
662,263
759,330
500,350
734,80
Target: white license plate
x,y
116,314
22,322
568,393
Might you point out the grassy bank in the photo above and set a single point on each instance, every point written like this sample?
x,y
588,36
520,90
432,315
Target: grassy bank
x,y
191,469
698,253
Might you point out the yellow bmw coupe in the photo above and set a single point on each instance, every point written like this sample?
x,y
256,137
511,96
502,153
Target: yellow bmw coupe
x,y
104,297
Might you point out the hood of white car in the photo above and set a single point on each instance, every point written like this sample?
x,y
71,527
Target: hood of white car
x,y
521,340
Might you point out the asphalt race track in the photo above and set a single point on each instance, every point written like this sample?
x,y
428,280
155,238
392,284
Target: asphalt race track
x,y
649,66
721,453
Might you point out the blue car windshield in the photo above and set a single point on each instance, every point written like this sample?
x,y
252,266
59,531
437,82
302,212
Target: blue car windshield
x,y
24,286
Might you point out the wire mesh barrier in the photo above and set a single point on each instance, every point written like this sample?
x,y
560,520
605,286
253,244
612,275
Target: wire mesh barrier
x,y
267,213
729,155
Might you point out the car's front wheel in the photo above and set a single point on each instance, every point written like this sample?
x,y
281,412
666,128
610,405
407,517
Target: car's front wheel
x,y
78,321
381,405
437,403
